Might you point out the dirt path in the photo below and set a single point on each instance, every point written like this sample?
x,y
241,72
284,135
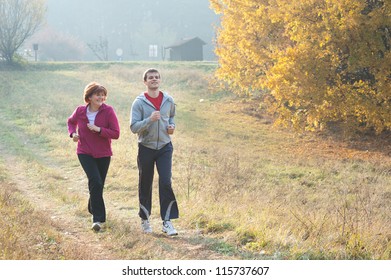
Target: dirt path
x,y
60,192
72,230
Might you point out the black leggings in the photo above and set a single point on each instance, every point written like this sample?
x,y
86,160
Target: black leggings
x,y
96,171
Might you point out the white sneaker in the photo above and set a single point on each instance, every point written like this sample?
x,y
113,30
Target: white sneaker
x,y
96,226
169,228
146,226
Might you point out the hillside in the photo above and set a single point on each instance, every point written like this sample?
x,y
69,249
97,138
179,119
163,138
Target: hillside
x,y
246,190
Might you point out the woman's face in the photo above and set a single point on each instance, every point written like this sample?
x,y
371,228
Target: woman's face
x,y
97,99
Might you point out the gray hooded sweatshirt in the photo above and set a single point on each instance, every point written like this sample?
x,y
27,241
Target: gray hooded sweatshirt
x,y
152,134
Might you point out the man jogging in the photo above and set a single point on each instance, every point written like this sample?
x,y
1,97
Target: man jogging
x,y
152,118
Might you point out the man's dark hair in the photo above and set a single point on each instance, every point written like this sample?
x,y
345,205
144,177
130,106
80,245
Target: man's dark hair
x,y
150,70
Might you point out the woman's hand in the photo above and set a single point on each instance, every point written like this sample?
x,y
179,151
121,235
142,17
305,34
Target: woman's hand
x,y
75,137
93,128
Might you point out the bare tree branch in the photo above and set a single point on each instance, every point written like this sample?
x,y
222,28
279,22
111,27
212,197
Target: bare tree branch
x,y
19,19
100,48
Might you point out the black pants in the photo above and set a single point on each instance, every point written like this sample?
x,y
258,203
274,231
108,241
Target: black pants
x,y
146,162
96,171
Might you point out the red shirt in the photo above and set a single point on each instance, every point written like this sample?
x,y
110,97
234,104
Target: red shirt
x,y
157,102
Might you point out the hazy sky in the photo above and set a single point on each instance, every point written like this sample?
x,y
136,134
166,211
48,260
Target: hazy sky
x,y
134,24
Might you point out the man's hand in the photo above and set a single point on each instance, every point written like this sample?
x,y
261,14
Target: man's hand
x,y
155,116
170,129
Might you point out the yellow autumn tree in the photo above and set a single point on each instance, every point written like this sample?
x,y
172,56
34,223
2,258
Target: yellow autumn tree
x,y
320,60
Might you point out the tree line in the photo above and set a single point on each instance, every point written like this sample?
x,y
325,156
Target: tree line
x,y
314,62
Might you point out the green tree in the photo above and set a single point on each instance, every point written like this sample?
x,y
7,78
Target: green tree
x,y
321,60
19,19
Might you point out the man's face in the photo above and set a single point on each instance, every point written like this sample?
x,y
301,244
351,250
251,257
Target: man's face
x,y
153,80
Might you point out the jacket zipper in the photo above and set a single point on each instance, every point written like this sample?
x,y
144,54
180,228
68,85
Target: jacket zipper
x,y
158,124
158,135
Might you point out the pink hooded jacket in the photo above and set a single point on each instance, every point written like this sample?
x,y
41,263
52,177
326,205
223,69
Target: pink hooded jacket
x,y
91,143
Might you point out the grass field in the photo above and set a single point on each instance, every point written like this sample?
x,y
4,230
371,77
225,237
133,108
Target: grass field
x,y
245,189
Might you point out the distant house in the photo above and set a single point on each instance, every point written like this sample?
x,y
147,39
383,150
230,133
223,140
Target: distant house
x,y
186,50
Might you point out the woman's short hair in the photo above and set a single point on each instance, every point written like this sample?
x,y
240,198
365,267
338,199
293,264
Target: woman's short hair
x,y
150,70
92,88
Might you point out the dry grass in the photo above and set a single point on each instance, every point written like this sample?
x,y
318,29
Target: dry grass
x,y
291,196
27,233
245,189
